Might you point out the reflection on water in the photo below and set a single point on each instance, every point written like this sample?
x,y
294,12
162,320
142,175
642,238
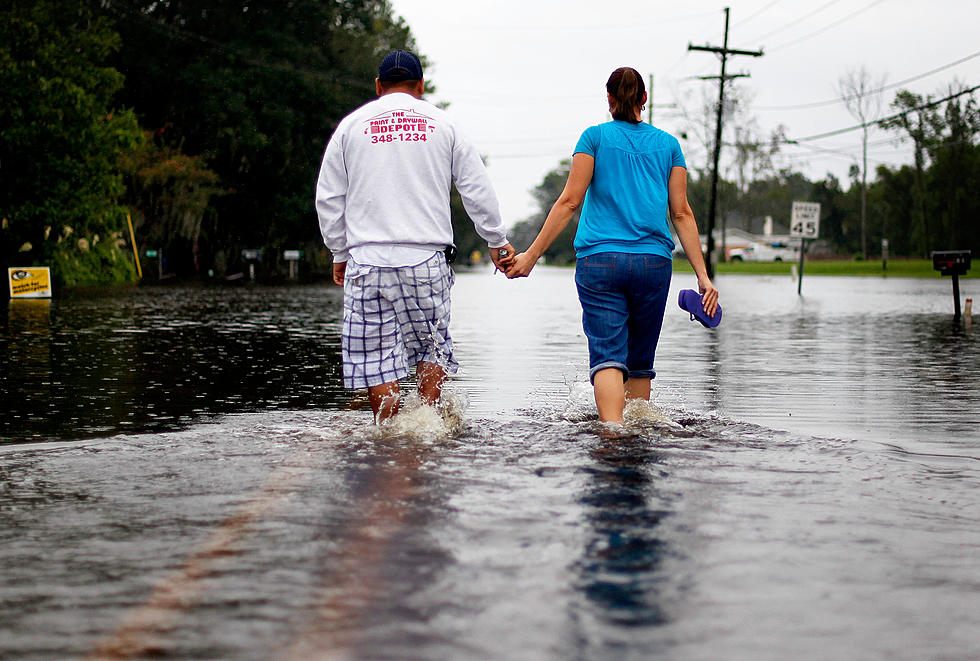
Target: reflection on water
x,y
871,359
161,358
28,340
883,362
808,490
619,568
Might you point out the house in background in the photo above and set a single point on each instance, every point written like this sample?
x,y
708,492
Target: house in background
x,y
772,243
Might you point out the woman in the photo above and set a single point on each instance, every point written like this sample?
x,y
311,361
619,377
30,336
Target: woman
x,y
625,176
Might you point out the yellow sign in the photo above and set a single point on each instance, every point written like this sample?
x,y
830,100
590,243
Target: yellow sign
x,y
30,282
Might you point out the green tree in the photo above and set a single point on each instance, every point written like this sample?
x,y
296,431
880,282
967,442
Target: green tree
x,y
944,211
954,175
255,90
60,185
839,214
465,238
893,203
545,194
773,196
169,193
917,121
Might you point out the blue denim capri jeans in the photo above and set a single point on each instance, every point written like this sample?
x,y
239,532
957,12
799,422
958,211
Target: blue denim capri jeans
x,y
623,298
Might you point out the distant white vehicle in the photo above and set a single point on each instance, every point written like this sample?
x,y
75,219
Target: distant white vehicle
x,y
776,251
679,249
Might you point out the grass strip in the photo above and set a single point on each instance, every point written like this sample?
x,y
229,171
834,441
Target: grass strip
x,y
897,268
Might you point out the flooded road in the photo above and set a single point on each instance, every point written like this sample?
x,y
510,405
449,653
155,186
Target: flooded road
x,y
182,476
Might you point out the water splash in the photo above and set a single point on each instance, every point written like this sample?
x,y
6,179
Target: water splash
x,y
417,421
640,411
580,405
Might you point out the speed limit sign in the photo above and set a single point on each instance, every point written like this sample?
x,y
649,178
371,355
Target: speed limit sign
x,y
805,220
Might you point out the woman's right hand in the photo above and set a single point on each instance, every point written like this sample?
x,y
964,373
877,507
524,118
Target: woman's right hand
x,y
709,295
521,266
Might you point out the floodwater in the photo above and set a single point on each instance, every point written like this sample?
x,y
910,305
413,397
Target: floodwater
x,y
182,476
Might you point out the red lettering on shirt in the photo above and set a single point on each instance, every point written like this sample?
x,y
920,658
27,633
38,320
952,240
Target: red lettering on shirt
x,y
399,126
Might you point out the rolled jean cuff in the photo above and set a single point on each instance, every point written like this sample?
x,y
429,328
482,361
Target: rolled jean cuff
x,y
609,364
643,374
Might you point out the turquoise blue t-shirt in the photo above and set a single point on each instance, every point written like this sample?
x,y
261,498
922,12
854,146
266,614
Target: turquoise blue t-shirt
x,y
625,208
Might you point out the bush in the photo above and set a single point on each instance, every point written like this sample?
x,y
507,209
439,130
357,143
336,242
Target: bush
x,y
92,262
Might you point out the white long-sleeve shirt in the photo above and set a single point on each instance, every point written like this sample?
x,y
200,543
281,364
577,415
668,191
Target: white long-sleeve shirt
x,y
384,184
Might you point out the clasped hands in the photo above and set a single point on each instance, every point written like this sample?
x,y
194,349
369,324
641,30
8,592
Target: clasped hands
x,y
519,266
513,264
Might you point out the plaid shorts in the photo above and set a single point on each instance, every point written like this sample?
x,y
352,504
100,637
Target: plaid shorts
x,y
395,317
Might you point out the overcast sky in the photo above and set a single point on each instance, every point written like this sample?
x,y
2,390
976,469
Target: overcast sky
x,y
526,77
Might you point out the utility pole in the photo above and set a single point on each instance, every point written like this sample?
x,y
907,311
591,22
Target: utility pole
x,y
650,103
724,51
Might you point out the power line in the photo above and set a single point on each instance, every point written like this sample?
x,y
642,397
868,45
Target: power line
x,y
835,152
843,150
818,104
810,158
744,21
577,27
798,20
828,27
813,34
828,134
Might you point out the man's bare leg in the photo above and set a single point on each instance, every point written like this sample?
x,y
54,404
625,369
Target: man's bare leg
x,y
384,400
610,394
430,377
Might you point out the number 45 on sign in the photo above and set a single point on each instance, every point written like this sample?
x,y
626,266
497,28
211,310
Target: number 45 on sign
x,y
805,221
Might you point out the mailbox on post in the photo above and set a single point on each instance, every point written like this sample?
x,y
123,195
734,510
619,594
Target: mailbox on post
x,y
293,257
951,262
954,263
251,256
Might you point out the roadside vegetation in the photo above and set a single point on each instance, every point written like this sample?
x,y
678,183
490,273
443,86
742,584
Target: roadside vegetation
x,y
896,268
204,122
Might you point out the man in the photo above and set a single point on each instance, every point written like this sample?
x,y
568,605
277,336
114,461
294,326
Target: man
x,y
383,203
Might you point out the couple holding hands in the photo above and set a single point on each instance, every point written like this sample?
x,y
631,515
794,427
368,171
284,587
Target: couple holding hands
x,y
382,200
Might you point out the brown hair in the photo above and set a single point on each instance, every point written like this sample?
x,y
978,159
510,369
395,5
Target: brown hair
x,y
625,85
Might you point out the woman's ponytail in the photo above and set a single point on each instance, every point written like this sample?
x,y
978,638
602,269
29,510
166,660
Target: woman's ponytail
x,y
625,85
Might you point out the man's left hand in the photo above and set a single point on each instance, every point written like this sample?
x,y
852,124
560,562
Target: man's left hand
x,y
501,263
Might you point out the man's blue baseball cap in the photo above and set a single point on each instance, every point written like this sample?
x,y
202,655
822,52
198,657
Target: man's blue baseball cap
x,y
400,65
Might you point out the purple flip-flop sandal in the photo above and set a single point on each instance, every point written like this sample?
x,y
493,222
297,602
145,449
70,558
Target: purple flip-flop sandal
x,y
690,301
